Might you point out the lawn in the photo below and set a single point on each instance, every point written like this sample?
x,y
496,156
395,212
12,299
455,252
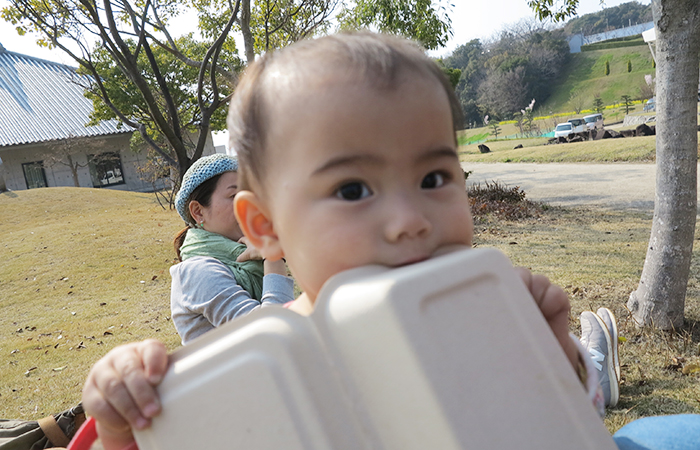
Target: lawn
x,y
597,256
637,149
87,269
83,270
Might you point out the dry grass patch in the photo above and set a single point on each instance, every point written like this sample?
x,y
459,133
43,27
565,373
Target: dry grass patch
x,y
87,269
597,256
83,270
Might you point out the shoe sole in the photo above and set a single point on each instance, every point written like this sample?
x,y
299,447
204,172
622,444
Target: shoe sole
x,y
611,323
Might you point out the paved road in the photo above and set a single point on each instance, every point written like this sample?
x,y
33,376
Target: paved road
x,y
615,186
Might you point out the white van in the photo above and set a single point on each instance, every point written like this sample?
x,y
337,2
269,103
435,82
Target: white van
x,y
594,121
572,126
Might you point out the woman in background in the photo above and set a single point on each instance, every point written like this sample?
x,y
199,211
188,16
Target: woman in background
x,y
219,277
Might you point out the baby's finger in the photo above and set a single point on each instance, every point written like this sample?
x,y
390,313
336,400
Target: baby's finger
x,y
245,256
139,391
99,407
111,385
155,360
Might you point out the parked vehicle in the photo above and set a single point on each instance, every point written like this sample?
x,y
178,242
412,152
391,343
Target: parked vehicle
x,y
563,129
594,121
572,126
650,105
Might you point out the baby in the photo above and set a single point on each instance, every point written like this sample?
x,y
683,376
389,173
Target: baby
x,y
348,157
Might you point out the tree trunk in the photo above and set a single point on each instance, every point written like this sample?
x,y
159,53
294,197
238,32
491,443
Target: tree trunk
x,y
659,300
74,171
248,41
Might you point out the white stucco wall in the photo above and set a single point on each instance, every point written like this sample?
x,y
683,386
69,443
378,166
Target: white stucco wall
x,y
61,175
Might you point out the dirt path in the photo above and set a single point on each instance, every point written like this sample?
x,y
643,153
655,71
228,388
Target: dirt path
x,y
615,186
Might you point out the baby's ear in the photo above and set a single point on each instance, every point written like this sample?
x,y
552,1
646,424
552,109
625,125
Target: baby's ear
x,y
256,224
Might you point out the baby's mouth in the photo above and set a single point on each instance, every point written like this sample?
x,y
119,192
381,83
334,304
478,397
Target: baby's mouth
x,y
412,261
444,250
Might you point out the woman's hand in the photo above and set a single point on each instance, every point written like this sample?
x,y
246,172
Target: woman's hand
x,y
120,391
250,253
555,307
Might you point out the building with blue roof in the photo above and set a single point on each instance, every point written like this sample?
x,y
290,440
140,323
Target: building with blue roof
x,y
45,139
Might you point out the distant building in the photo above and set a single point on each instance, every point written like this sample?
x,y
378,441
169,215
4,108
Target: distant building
x,y
43,123
578,40
575,43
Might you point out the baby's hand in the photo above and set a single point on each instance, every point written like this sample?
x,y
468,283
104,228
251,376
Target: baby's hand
x,y
554,305
120,390
250,253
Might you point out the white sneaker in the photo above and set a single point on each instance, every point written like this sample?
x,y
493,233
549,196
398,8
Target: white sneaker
x,y
610,322
596,340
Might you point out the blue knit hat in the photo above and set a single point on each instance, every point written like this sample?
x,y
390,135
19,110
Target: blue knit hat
x,y
199,172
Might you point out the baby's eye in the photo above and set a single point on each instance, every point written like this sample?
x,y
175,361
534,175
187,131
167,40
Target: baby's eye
x,y
433,180
353,191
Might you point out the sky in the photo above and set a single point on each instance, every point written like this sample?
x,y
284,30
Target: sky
x,y
471,19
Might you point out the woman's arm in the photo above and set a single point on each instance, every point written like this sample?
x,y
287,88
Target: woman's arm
x,y
205,294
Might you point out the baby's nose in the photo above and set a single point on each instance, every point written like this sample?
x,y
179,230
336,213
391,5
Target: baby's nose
x,y
406,219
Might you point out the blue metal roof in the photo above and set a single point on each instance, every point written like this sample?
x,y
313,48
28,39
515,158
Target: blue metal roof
x,y
41,101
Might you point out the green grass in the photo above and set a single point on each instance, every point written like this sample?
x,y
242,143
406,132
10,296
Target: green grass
x,y
86,269
585,75
638,149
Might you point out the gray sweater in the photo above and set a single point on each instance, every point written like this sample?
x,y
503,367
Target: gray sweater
x,y
204,294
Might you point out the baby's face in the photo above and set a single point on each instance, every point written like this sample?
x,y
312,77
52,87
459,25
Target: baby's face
x,y
358,176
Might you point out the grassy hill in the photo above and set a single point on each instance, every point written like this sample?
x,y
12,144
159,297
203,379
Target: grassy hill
x,y
585,75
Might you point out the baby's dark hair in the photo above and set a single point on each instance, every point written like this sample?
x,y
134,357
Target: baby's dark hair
x,y
381,61
202,194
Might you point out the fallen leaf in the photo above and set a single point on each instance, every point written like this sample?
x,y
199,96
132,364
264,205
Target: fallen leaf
x,y
154,277
621,339
107,333
691,369
676,364
13,352
58,369
103,304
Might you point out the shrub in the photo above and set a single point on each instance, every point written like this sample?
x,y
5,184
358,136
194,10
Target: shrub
x,y
506,203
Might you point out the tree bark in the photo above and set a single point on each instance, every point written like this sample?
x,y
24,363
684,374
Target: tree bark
x,y
659,300
248,40
73,171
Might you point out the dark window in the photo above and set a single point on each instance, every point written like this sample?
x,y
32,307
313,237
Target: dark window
x,y
34,174
106,169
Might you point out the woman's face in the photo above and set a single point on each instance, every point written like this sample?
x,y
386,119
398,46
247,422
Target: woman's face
x,y
218,216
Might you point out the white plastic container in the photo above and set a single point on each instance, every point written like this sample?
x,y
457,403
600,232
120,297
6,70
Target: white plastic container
x,y
451,353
